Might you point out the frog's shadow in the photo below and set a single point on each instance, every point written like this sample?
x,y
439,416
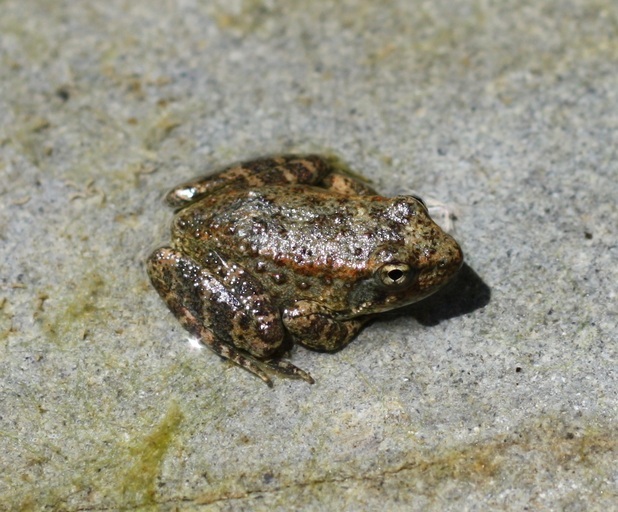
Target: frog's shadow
x,y
464,294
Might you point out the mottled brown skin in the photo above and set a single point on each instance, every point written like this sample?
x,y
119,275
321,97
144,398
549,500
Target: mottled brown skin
x,y
286,249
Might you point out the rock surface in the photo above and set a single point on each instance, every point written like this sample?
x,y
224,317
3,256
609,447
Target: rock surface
x,y
500,393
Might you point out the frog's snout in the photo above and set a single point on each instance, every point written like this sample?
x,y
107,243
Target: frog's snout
x,y
448,264
455,260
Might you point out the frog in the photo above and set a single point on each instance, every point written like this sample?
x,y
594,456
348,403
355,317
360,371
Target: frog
x,y
289,250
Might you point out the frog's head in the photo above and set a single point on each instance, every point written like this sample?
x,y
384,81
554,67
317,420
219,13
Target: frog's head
x,y
416,259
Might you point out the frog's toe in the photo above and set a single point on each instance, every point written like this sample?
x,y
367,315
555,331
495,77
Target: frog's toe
x,y
288,369
253,368
265,378
242,360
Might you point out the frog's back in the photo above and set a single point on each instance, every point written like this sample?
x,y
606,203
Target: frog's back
x,y
309,229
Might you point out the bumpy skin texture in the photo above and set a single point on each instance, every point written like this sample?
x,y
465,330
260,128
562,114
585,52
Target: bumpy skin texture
x,y
287,249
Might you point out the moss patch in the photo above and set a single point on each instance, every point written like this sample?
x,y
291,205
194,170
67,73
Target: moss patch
x,y
139,485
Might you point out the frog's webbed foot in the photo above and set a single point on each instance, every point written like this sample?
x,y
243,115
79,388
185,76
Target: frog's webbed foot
x,y
286,368
235,356
255,366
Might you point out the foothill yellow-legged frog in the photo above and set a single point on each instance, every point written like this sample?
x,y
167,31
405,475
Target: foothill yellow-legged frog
x,y
288,249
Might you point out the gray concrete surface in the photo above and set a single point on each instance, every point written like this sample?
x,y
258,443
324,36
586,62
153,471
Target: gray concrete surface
x,y
499,394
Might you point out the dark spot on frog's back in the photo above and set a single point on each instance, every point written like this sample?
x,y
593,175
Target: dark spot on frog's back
x,y
279,278
261,165
243,322
308,169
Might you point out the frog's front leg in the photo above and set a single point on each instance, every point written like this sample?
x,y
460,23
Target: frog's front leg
x,y
275,170
314,326
224,307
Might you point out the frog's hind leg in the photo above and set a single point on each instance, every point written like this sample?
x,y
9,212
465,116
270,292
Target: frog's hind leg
x,y
227,312
276,170
188,290
347,185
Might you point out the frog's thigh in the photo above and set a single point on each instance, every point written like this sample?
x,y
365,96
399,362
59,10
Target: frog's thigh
x,y
347,185
201,304
313,326
276,170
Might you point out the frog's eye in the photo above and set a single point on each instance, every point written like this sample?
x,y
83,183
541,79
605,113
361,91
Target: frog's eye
x,y
396,275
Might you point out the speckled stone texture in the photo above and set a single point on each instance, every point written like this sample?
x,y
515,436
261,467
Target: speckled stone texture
x,y
500,393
